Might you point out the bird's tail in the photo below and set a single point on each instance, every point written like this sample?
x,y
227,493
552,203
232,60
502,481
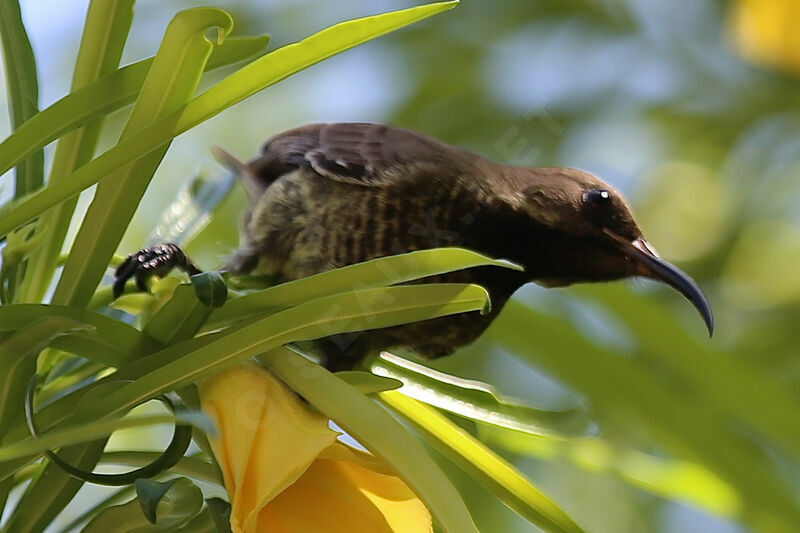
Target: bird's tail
x,y
241,170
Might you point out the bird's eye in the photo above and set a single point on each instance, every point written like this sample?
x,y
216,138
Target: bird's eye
x,y
596,197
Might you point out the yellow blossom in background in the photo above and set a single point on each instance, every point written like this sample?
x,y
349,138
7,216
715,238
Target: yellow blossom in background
x,y
765,32
285,471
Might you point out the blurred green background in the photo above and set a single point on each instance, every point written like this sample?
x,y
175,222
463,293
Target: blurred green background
x,y
652,95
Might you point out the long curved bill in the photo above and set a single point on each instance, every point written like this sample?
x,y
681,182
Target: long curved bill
x,y
652,266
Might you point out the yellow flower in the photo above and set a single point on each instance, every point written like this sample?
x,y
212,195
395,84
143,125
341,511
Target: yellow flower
x,y
286,472
765,32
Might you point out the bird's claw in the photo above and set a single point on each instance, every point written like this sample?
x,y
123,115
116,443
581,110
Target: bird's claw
x,y
155,260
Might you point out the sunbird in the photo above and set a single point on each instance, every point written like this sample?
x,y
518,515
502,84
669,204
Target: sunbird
x,y
324,196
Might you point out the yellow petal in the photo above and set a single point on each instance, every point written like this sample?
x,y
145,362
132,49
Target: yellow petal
x,y
345,494
267,437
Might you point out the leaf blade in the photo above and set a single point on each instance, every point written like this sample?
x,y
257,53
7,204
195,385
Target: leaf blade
x,y
378,272
23,89
104,35
489,469
171,80
479,401
243,83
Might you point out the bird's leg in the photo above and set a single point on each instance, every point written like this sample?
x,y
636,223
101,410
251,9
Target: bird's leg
x,y
154,260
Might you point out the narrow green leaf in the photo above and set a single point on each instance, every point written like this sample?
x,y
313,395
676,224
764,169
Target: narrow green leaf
x,y
83,373
181,501
149,493
188,361
19,245
202,522
367,382
479,401
245,82
379,272
353,311
98,507
171,81
76,434
187,466
375,429
18,360
23,100
32,514
180,318
106,95
488,468
191,466
104,35
23,89
111,343
221,514
64,408
191,360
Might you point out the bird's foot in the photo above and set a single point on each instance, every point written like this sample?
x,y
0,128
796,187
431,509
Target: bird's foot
x,y
155,260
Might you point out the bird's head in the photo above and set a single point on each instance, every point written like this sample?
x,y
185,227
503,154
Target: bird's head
x,y
594,235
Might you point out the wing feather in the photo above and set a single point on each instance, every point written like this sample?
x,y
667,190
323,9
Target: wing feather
x,y
364,154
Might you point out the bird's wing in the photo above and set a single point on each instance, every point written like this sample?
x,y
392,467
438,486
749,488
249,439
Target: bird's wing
x,y
369,155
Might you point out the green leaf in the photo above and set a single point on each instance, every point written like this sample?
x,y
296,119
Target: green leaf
x,y
105,503
367,382
191,466
221,513
78,434
149,493
243,83
375,273
378,431
171,81
23,101
23,89
348,312
203,522
62,409
19,244
177,505
488,468
187,466
104,35
188,361
33,514
479,401
191,360
180,318
18,360
111,342
110,93
83,372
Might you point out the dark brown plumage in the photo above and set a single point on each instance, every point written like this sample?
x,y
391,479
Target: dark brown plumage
x,y
329,195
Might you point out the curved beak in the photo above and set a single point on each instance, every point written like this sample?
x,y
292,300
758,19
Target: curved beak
x,y
652,266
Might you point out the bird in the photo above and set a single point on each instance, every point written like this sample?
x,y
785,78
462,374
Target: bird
x,y
327,195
